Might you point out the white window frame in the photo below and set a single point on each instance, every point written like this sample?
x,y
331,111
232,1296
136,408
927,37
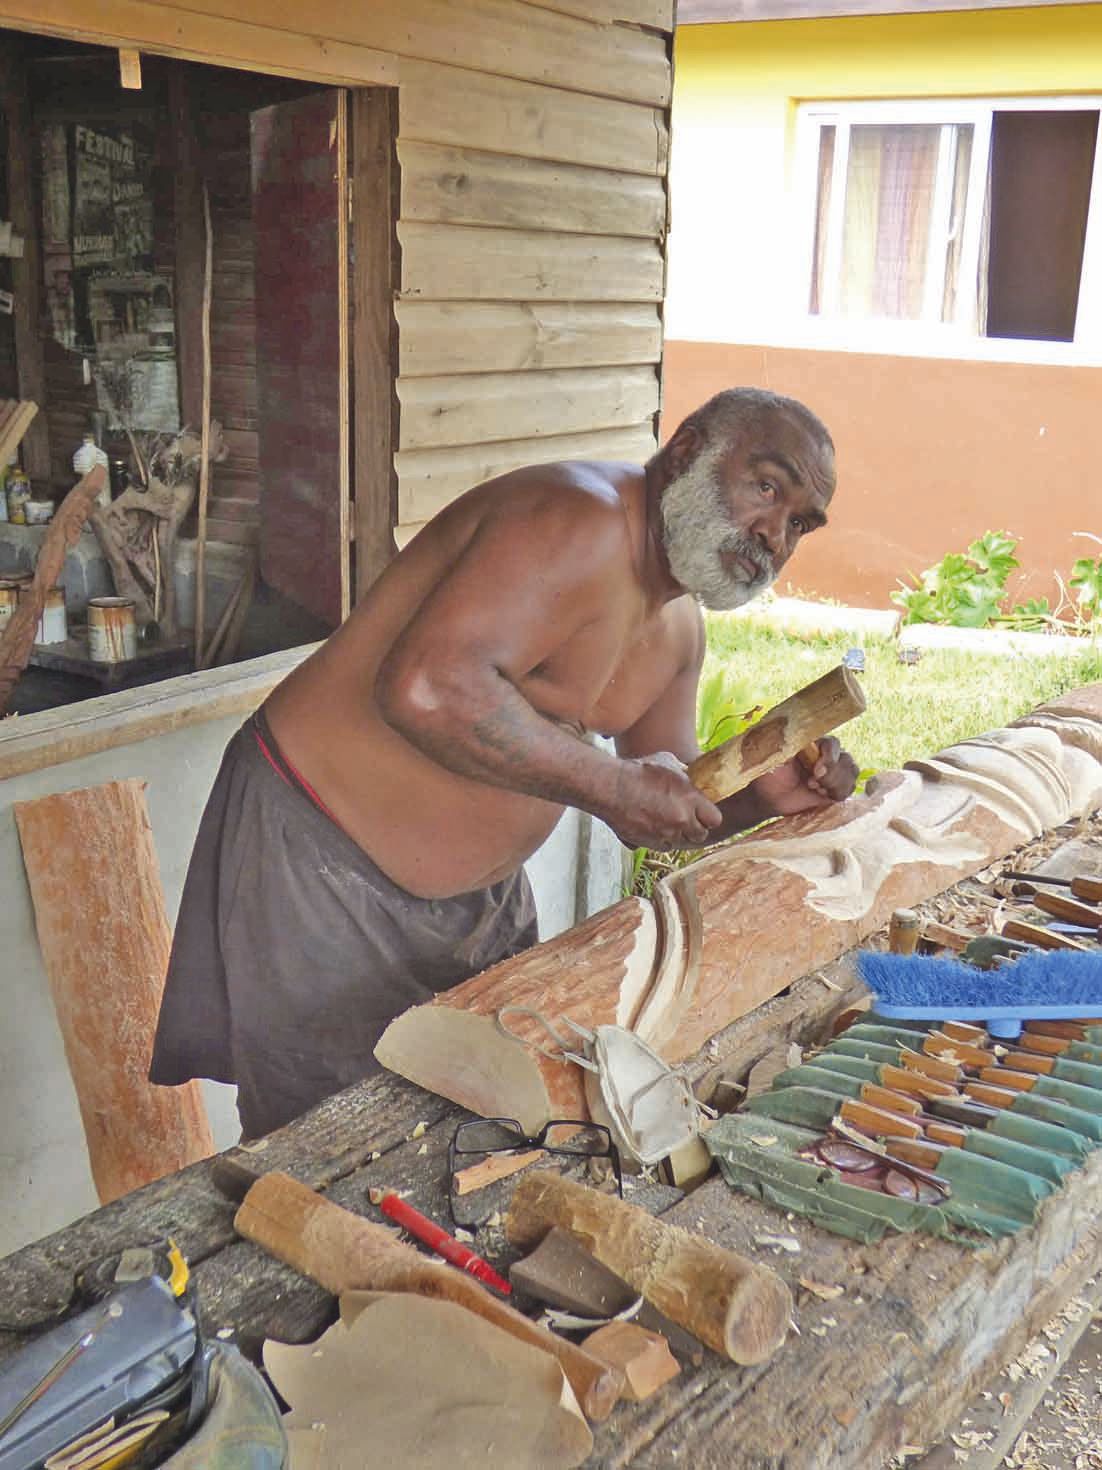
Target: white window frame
x,y
929,336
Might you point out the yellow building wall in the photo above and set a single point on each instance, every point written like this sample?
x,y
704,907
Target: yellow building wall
x,y
736,88
934,450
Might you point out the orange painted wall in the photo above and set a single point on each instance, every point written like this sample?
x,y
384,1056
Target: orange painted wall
x,y
931,453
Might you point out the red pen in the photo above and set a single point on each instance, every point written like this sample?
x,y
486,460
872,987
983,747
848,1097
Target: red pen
x,y
430,1234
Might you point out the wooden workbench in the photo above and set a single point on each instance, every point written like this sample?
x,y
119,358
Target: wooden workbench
x,y
921,1324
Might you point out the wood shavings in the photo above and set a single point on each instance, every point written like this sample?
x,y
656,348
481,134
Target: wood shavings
x,y
787,1243
419,1130
820,1289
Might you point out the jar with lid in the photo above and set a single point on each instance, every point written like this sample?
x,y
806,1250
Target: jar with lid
x,y
18,493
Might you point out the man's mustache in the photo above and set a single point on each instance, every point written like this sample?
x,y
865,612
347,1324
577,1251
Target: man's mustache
x,y
742,546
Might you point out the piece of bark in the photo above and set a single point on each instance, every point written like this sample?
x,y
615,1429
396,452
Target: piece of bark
x,y
563,1274
17,639
734,1305
736,927
643,1357
344,1252
779,735
105,940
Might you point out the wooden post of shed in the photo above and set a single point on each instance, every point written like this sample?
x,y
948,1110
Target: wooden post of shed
x,y
27,270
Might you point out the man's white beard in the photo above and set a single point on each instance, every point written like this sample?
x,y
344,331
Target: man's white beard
x,y
697,532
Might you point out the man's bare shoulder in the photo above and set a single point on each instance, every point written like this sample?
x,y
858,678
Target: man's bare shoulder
x,y
590,508
589,488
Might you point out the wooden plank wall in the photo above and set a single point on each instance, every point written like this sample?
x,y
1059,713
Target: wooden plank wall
x,y
532,234
533,146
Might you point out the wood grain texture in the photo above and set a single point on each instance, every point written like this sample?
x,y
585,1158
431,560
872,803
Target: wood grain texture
x,y
468,187
429,478
503,37
374,330
439,338
478,408
469,109
105,941
472,264
171,30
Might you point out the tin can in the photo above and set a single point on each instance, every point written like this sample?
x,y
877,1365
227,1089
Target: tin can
x,y
112,632
38,512
53,626
9,601
19,492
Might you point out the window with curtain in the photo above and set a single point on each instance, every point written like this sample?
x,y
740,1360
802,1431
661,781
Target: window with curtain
x,y
961,216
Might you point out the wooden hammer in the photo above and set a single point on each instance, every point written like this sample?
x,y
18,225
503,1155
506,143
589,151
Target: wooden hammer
x,y
734,1306
790,728
344,1252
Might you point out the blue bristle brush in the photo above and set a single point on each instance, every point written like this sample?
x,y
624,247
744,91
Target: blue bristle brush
x,y
1040,986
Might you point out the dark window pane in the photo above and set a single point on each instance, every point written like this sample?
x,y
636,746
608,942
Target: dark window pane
x,y
1041,166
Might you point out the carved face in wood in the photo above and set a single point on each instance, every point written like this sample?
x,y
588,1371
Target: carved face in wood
x,y
735,511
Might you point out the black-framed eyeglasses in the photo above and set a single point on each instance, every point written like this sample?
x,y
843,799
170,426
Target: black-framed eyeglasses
x,y
477,1140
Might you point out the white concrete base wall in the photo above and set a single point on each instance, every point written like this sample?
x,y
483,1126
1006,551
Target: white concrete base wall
x,y
45,1181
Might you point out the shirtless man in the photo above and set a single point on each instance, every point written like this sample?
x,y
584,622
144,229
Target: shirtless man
x,y
362,846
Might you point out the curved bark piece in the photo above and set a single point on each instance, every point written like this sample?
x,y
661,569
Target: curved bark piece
x,y
733,1305
733,929
18,637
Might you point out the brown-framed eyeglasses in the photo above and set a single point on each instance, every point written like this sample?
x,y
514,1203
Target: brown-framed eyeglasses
x,y
482,1138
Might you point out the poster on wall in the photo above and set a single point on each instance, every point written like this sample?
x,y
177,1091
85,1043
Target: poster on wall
x,y
104,297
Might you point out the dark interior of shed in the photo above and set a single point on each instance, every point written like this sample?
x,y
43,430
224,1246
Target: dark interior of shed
x,y
115,189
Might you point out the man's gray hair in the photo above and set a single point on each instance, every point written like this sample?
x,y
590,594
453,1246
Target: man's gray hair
x,y
725,417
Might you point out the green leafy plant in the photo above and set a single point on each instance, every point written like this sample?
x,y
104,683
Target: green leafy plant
x,y
1086,578
966,589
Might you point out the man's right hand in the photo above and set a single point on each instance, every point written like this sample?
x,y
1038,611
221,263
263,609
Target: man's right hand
x,y
657,806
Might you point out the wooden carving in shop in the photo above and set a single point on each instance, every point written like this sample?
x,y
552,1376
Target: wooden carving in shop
x,y
731,930
139,529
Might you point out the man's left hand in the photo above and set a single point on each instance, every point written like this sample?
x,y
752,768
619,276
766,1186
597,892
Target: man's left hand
x,y
791,788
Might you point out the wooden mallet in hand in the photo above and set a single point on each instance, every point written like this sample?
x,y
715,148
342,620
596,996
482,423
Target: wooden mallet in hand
x,y
789,729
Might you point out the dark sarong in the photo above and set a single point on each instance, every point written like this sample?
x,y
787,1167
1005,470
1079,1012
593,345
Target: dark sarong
x,y
293,952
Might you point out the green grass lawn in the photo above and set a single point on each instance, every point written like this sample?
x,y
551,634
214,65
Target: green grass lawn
x,y
914,709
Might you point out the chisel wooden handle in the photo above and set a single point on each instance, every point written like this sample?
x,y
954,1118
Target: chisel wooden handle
x,y
1068,908
936,1067
918,1151
960,1053
1088,889
779,735
343,1252
994,1097
890,1100
915,1084
878,1122
732,1304
1042,938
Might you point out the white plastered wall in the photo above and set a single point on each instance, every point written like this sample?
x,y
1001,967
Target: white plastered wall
x,y
45,1181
